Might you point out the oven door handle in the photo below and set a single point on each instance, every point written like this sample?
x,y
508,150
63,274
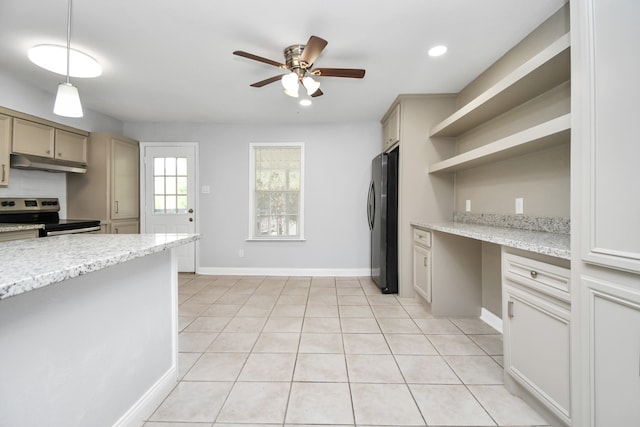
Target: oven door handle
x,y
74,231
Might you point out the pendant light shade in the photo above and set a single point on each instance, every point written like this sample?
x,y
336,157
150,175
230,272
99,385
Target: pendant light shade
x,y
67,101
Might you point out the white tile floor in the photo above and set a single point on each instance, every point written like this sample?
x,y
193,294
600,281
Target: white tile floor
x,y
330,351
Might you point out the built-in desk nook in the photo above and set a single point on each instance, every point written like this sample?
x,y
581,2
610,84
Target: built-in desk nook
x,y
516,280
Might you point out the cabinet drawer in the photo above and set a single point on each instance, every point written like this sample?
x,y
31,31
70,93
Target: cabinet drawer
x,y
544,277
422,237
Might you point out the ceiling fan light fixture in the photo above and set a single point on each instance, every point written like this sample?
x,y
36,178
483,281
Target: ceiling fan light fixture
x,y
67,101
290,82
311,85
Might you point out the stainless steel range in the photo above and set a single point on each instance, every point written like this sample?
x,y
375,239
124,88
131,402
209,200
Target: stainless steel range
x,y
18,210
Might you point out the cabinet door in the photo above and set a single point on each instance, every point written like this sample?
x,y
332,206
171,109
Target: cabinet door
x,y
391,129
537,351
607,129
614,342
70,146
32,138
422,272
124,180
5,142
125,227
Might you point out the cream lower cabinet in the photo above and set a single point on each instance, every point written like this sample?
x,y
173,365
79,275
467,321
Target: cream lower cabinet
x,y
537,331
9,236
614,351
124,227
422,263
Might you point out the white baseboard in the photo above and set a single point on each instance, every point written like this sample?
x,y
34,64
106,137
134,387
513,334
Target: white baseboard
x,y
144,407
491,319
317,272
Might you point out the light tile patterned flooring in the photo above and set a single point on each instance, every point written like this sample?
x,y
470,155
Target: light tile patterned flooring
x,y
330,351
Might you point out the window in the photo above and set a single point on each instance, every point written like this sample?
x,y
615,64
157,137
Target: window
x,y
276,196
169,185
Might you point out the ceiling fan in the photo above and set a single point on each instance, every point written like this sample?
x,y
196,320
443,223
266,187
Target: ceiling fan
x,y
299,59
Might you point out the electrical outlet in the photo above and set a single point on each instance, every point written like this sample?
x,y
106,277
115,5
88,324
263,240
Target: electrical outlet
x,y
519,205
241,253
467,205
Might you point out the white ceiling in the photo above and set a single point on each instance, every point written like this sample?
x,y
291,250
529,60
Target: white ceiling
x,y
171,60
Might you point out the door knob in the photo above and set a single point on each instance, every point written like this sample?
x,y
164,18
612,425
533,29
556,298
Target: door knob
x,y
190,219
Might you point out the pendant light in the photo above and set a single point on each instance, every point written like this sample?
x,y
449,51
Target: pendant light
x,y
67,99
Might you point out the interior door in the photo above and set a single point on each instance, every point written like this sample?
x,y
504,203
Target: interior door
x,y
170,195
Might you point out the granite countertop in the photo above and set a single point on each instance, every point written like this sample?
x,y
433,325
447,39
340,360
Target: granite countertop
x,y
6,227
552,244
34,263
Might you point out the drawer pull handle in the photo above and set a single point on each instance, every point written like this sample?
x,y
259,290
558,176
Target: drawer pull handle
x,y
510,309
534,274
425,261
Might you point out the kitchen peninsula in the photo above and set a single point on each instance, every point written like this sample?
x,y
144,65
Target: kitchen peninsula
x,y
88,325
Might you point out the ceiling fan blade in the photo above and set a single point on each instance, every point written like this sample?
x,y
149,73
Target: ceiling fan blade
x,y
353,73
316,93
313,48
259,58
267,81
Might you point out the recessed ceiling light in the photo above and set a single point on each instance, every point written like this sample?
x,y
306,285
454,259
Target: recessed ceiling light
x,y
437,50
54,58
305,102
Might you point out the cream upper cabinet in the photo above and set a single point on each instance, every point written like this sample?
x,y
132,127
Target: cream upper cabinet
x,y
38,139
124,184
391,128
70,146
5,148
32,138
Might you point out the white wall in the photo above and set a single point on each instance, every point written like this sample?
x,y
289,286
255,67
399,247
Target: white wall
x,y
337,174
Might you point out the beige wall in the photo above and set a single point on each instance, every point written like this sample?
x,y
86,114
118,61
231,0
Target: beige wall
x,y
541,178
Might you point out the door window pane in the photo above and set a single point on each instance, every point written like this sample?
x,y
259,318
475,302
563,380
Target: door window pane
x,y
170,185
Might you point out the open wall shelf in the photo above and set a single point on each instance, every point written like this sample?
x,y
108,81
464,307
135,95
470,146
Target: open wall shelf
x,y
544,135
542,72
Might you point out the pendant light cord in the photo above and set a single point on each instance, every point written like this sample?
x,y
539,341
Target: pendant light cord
x,y
68,40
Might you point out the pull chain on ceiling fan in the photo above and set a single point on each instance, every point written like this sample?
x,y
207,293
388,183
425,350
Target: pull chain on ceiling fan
x,y
299,59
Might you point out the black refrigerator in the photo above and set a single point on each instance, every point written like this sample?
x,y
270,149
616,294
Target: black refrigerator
x,y
382,213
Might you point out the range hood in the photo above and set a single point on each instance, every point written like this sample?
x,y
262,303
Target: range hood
x,y
24,161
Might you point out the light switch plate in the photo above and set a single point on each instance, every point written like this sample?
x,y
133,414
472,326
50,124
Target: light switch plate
x,y
205,189
519,205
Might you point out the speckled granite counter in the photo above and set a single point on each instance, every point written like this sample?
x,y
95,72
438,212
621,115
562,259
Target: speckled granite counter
x,y
19,227
552,244
35,263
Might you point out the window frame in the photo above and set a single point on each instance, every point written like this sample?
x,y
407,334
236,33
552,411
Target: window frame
x,y
252,191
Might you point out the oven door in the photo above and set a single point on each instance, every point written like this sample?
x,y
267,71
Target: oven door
x,y
71,226
92,229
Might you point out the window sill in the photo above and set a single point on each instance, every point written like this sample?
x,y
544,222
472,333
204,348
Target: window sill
x,y
275,239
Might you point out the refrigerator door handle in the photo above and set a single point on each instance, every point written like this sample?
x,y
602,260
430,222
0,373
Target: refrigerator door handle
x,y
371,205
